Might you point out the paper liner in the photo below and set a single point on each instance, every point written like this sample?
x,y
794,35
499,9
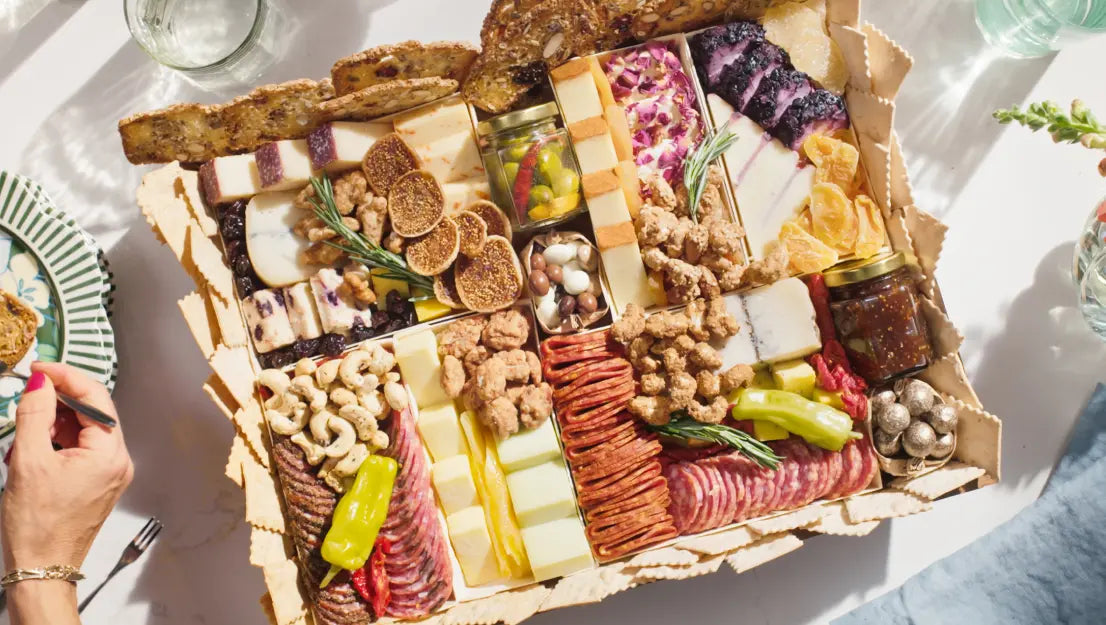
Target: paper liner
x,y
665,556
577,321
221,396
708,565
802,517
239,453
262,499
836,521
872,119
944,336
978,439
281,578
589,586
898,466
719,542
267,547
854,48
885,504
947,375
902,193
890,63
764,550
234,367
939,481
201,321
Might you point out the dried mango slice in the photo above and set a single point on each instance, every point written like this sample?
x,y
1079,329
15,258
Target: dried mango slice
x,y
833,217
804,221
801,31
504,524
870,231
839,167
818,147
474,434
805,253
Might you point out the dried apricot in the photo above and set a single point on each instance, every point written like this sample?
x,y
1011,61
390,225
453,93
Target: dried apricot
x,y
818,147
839,167
804,221
870,230
805,253
833,217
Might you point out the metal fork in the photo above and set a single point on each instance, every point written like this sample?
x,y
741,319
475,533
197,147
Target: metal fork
x,y
137,547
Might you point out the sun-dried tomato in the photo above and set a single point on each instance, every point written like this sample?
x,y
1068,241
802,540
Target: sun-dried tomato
x,y
379,590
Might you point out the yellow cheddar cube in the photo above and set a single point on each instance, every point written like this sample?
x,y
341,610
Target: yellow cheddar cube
x,y
427,309
529,448
579,98
440,429
768,431
468,532
830,398
795,376
417,355
596,154
382,286
542,493
453,482
557,548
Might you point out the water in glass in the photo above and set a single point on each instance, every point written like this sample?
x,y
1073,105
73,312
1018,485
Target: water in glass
x,y
1031,28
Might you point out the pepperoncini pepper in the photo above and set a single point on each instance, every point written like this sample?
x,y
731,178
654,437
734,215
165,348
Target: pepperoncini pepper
x,y
816,423
358,516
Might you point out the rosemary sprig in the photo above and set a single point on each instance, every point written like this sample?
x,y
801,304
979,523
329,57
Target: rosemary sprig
x,y
686,428
1080,126
359,248
697,166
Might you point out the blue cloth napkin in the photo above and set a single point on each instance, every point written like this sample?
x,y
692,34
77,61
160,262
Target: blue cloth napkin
x,y
1046,565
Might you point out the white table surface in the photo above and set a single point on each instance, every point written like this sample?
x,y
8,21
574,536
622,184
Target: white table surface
x,y
1014,202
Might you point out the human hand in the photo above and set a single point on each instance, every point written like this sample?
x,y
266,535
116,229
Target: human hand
x,y
56,501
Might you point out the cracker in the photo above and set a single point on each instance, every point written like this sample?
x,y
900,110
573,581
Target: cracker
x,y
854,50
386,98
200,318
274,112
665,556
836,522
250,421
844,12
239,453
885,504
164,211
936,483
902,193
948,376
944,336
508,607
281,579
209,262
231,326
190,133
928,236
589,586
402,61
221,396
720,542
266,547
897,232
802,517
764,550
978,440
233,366
890,63
266,602
153,190
708,565
262,501
187,188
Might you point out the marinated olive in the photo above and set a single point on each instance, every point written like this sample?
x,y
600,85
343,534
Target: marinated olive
x,y
516,152
511,171
586,303
537,261
565,181
539,282
566,306
555,273
549,163
540,194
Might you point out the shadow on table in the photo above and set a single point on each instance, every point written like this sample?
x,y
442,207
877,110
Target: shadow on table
x,y
1046,347
17,46
943,111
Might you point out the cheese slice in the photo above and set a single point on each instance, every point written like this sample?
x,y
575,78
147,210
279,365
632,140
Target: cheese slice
x,y
382,286
626,276
740,348
529,448
579,98
267,319
273,247
609,209
283,165
783,321
428,124
595,154
459,195
417,354
557,548
228,178
453,482
440,429
473,545
337,312
542,493
451,158
302,311
339,146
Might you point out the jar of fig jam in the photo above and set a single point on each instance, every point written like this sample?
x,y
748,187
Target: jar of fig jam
x,y
877,312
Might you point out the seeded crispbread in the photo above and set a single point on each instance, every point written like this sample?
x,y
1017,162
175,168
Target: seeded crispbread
x,y
474,232
18,325
491,281
415,203
190,133
402,61
495,220
387,160
386,98
435,251
273,112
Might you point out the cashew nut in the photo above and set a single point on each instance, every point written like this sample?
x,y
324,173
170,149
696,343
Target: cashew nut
x,y
370,382
352,366
396,395
343,396
306,366
345,439
338,483
373,402
391,376
304,386
287,424
349,464
379,440
327,372
360,418
311,449
381,360
318,426
277,382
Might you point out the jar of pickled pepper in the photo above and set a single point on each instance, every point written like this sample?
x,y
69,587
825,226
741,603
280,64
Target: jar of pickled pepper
x,y
877,312
531,168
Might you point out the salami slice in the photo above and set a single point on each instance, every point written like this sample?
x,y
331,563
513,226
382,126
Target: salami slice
x,y
685,496
850,469
834,463
732,496
703,516
798,483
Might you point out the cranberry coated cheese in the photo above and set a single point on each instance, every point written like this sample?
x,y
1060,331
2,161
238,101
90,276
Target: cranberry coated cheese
x,y
267,319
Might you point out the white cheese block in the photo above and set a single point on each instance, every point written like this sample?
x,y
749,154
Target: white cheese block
x,y
440,429
459,195
739,349
428,124
283,165
626,276
468,532
453,482
529,447
608,209
339,146
596,154
451,158
228,178
542,493
273,247
302,311
417,354
267,319
557,548
782,317
337,312
579,98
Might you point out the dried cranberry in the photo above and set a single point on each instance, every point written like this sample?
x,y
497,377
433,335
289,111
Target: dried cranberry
x,y
411,317
234,227
242,265
396,303
332,344
280,358
235,248
379,319
305,348
237,208
246,286
394,324
360,331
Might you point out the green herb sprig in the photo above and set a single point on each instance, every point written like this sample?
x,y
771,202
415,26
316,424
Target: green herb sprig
x,y
1080,126
686,428
359,248
697,166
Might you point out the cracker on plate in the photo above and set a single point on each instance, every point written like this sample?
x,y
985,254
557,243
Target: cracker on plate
x,y
273,112
402,61
385,98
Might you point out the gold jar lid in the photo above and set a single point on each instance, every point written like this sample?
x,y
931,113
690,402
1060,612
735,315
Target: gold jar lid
x,y
517,118
855,271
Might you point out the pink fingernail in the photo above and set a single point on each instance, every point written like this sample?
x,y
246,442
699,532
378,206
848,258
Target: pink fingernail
x,y
38,378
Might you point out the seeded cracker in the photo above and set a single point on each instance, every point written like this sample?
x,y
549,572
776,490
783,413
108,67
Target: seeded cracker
x,y
764,550
200,318
402,61
274,112
386,98
492,280
288,603
190,133
720,542
262,500
433,252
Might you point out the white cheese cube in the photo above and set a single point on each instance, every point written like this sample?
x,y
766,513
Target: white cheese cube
x,y
542,493
782,317
440,429
579,98
529,447
417,353
339,146
459,195
608,209
453,482
426,125
273,246
629,283
468,532
738,349
337,312
596,153
451,158
283,165
268,321
228,178
302,311
557,548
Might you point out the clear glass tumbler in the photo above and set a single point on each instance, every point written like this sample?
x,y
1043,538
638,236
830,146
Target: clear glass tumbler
x,y
215,43
1032,28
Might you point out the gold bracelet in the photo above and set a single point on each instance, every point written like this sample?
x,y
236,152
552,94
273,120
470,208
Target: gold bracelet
x,y
57,571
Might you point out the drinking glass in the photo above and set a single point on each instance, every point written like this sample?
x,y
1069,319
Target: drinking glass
x,y
1032,28
214,43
